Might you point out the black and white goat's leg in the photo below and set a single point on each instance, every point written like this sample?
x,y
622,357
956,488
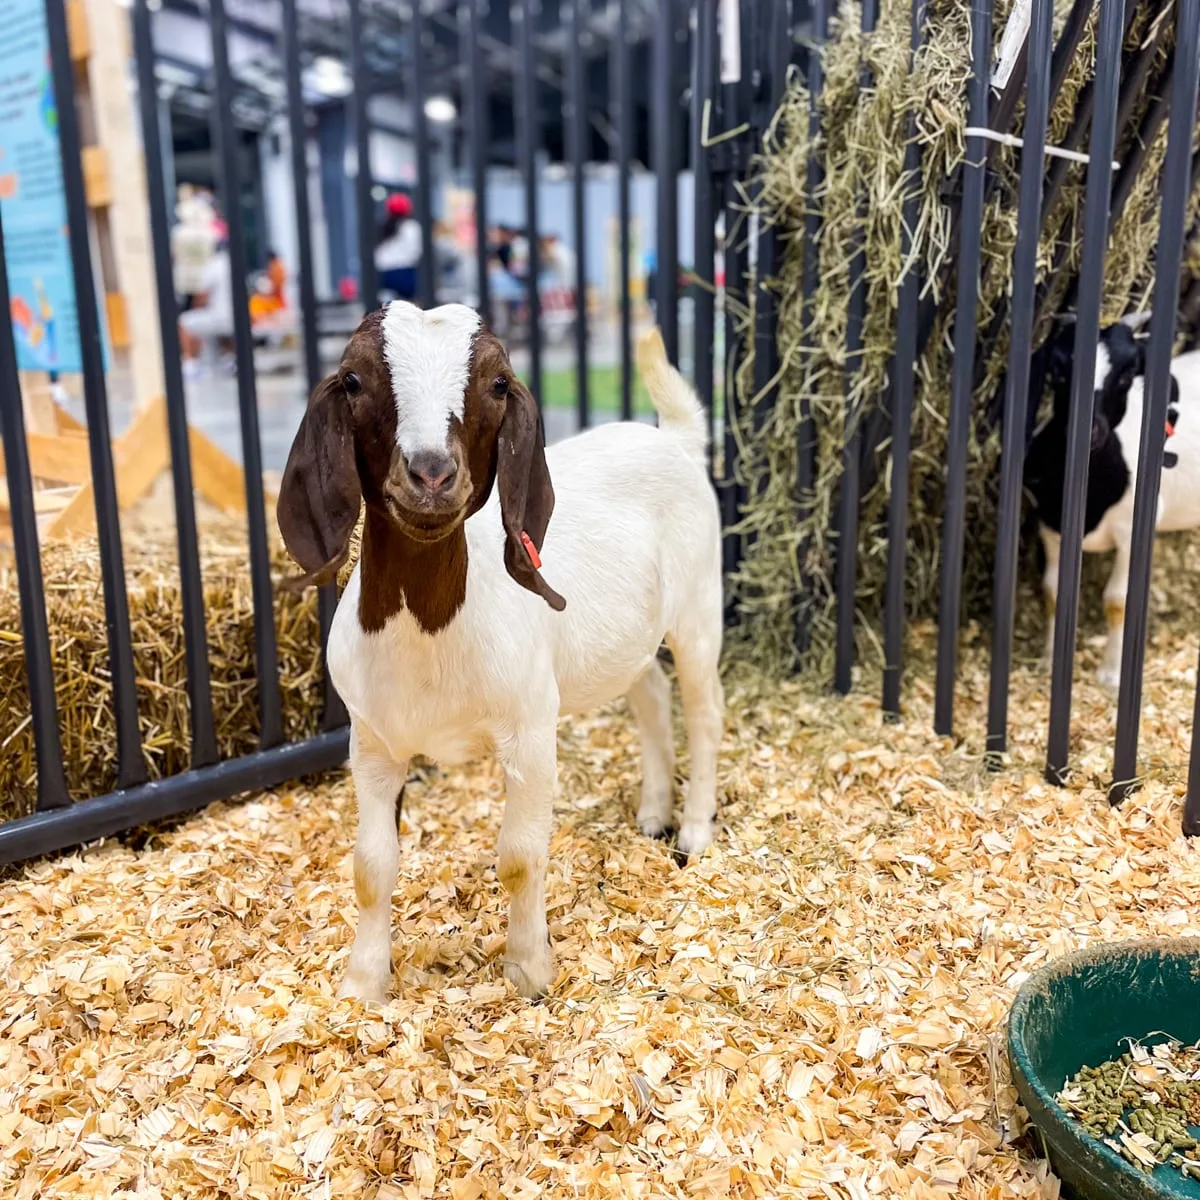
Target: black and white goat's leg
x,y
1115,592
1052,544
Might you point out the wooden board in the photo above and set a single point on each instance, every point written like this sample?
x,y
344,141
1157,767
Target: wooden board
x,y
140,456
104,89
97,181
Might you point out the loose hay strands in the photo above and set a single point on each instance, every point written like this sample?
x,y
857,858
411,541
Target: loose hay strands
x,y
862,145
74,602
814,1009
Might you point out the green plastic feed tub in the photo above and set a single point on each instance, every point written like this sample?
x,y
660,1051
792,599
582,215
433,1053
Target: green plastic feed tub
x,y
1075,1013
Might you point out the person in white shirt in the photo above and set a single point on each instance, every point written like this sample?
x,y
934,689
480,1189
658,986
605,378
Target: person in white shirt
x,y
213,319
398,250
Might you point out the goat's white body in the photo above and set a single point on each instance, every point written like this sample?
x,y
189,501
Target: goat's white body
x,y
634,547
1178,504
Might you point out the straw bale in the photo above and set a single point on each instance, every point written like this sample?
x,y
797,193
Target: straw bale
x,y
815,1008
790,544
75,611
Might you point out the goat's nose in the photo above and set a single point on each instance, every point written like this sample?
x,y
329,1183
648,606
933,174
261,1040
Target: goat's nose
x,y
432,470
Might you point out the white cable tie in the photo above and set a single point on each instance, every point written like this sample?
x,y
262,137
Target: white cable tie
x,y
1008,139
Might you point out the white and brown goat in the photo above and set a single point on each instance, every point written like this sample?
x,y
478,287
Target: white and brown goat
x,y
452,637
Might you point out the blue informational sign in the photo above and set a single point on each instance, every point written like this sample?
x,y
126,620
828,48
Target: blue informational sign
x,y
32,202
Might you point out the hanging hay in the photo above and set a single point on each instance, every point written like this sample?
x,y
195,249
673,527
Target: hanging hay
x,y
79,648
862,145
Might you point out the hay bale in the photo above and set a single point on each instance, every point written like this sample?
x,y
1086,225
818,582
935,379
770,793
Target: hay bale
x,y
75,609
862,144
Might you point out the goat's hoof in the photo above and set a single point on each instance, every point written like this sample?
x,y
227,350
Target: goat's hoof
x,y
533,976
694,837
360,987
656,828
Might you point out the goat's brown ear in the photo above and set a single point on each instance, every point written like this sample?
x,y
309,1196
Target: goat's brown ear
x,y
320,496
526,494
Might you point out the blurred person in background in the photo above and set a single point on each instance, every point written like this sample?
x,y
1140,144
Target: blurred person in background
x,y
398,248
269,299
209,321
193,241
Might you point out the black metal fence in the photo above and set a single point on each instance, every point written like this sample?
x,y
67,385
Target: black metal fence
x,y
728,112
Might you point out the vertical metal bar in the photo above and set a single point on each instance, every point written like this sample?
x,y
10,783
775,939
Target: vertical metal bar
x,y
577,137
704,252
476,88
225,141
734,110
848,500
130,767
776,46
1012,459
35,630
970,226
806,438
1167,262
623,91
1191,803
191,584
333,714
528,138
903,377
364,206
1079,426
665,126
428,267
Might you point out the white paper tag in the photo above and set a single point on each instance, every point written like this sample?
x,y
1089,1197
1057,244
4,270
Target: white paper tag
x,y
1015,33
729,23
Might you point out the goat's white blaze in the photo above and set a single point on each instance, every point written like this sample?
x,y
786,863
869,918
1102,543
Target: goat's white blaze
x,y
429,358
1103,366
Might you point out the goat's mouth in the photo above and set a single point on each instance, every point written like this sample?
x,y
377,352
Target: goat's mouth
x,y
424,525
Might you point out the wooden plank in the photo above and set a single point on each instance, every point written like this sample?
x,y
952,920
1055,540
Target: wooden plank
x,y
48,500
60,457
140,456
118,320
66,423
97,180
117,129
78,33
215,475
37,402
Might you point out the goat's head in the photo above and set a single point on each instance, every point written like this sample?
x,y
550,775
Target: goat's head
x,y
423,415
1120,359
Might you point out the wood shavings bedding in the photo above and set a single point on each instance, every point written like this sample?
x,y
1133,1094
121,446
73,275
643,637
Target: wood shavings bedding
x,y
813,1009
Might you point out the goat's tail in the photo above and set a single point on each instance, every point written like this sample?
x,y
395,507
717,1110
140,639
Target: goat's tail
x,y
679,409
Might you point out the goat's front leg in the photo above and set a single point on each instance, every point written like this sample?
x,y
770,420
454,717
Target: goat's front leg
x,y
379,784
1115,592
530,769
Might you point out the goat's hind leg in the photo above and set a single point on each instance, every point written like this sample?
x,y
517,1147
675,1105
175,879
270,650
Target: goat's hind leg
x,y
697,652
650,699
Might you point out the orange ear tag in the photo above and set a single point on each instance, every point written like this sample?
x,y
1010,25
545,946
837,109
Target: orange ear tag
x,y
1170,429
531,550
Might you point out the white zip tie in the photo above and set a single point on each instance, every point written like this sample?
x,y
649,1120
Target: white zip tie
x,y
1008,139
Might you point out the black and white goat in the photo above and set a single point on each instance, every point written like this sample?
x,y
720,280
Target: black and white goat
x,y
1113,465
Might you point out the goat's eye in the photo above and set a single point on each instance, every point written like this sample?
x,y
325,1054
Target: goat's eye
x,y
500,387
352,384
